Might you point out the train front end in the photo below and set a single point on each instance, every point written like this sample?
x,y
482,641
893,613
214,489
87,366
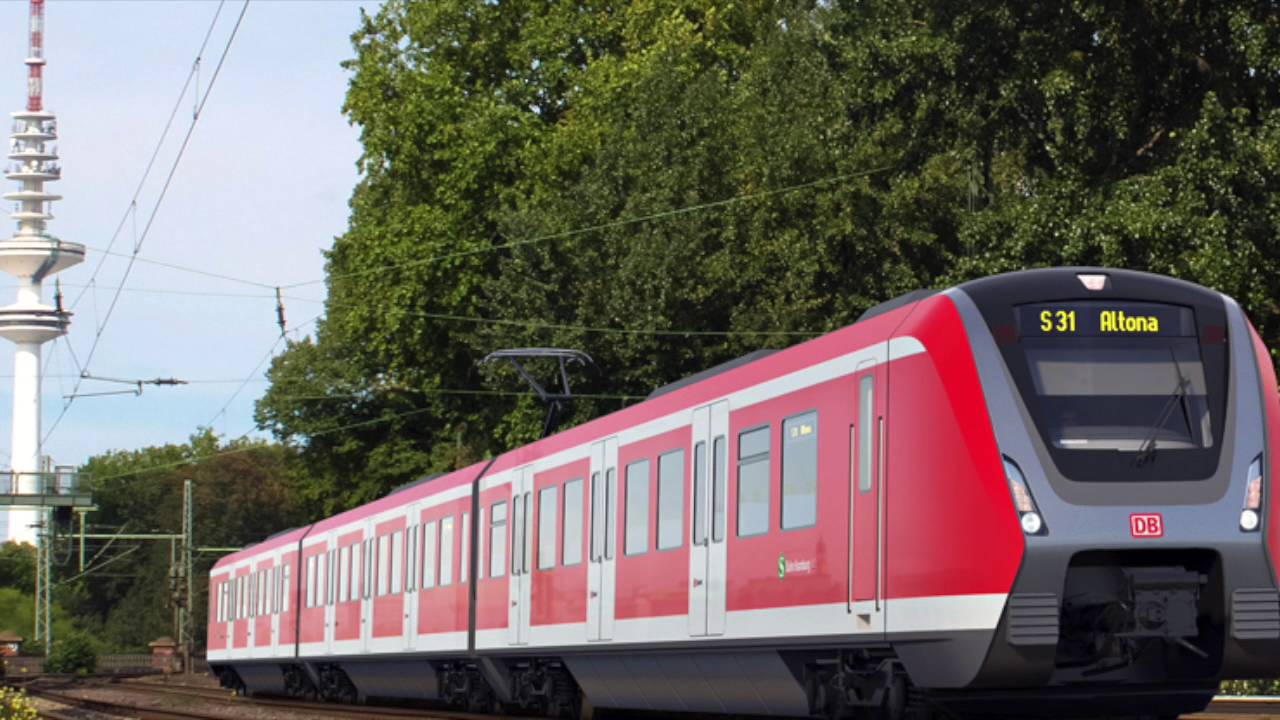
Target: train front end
x,y
1136,416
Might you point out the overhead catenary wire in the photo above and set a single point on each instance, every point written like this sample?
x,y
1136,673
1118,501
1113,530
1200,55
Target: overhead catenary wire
x,y
155,209
271,351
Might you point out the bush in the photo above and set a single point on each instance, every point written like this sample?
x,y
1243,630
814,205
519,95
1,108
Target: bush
x,y
75,655
1251,687
14,705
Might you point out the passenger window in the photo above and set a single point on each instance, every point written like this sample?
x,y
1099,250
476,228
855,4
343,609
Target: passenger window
x,y
517,533
284,589
464,541
344,574
322,578
547,528
753,482
480,540
671,500
369,563
610,512
800,471
637,513
384,566
429,555
719,486
498,540
699,493
397,562
411,562
866,434
446,551
597,518
571,553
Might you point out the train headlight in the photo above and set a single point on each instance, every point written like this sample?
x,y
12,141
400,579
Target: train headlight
x,y
1028,514
1031,523
1250,516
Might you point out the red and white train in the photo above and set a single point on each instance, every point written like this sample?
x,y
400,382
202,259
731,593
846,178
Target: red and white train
x,y
1047,492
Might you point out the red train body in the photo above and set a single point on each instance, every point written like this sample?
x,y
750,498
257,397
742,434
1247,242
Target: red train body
x,y
932,508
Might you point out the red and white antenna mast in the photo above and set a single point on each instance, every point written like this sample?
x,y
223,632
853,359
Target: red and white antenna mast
x,y
35,58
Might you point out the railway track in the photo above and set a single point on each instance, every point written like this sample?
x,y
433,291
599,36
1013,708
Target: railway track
x,y
222,698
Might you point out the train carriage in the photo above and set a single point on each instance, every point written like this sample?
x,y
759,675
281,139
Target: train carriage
x,y
1046,484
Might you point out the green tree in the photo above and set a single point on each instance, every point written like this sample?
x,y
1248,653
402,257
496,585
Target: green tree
x,y
560,169
18,566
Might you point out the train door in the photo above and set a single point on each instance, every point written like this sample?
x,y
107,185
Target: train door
x,y
601,579
866,554
368,549
412,565
521,556
327,587
708,557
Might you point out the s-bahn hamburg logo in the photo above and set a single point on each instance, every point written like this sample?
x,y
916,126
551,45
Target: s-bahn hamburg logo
x,y
1146,525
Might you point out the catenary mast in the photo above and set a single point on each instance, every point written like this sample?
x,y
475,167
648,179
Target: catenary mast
x,y
31,256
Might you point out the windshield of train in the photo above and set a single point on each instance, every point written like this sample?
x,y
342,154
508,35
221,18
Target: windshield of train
x,y
1116,376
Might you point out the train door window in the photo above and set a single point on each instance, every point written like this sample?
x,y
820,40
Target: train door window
x,y
866,426
370,563
429,555
464,541
284,589
671,500
753,482
262,592
498,540
446,551
571,552
271,601
800,471
610,512
344,574
527,545
636,519
331,587
547,528
411,564
397,562
699,493
597,519
311,581
384,562
355,570
517,533
719,486
480,540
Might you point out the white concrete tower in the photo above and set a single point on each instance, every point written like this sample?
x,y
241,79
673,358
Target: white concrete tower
x,y
31,256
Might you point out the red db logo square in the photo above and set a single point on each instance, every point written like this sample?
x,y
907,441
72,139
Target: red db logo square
x,y
1149,525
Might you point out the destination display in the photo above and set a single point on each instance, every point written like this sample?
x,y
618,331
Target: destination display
x,y
1105,319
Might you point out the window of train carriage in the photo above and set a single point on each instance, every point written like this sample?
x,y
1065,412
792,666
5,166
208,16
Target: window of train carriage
x,y
284,589
384,566
411,563
480,540
497,540
800,471
699,493
571,552
866,433
547,528
597,519
519,508
311,581
262,592
753,482
671,500
446,551
397,562
370,564
356,567
719,486
344,574
429,539
610,512
636,519
464,540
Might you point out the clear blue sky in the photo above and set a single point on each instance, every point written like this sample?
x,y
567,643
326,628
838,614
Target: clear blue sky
x,y
260,192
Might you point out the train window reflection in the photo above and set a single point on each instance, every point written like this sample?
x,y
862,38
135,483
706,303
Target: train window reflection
x,y
637,513
800,471
753,482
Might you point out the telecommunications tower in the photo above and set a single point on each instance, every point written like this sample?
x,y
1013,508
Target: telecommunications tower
x,y
31,256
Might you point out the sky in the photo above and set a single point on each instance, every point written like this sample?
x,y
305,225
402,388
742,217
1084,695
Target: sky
x,y
260,192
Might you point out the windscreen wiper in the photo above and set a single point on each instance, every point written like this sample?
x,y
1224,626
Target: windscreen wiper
x,y
1178,397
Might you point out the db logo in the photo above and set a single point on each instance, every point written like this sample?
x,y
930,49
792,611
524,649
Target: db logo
x,y
1150,525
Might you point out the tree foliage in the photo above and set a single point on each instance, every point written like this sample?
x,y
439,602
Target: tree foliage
x,y
559,169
